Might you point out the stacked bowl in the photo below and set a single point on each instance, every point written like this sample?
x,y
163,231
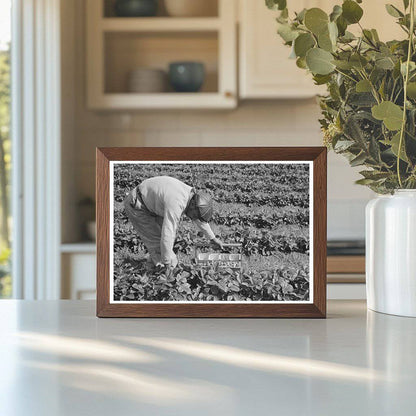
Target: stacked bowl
x,y
147,80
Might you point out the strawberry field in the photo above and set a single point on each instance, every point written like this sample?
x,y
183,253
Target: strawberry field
x,y
264,207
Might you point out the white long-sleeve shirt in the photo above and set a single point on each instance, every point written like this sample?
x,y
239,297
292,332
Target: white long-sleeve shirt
x,y
168,198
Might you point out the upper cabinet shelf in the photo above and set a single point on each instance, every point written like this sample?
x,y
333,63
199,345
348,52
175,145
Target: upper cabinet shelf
x,y
128,58
160,24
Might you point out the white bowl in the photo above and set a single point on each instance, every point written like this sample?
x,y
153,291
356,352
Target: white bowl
x,y
147,80
191,8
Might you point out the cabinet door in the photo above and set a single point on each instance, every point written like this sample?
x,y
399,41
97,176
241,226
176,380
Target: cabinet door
x,y
78,276
265,68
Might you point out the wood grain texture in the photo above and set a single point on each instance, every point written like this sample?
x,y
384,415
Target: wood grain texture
x,y
346,264
345,278
319,229
317,309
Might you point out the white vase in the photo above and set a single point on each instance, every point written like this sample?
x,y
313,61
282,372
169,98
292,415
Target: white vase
x,y
391,253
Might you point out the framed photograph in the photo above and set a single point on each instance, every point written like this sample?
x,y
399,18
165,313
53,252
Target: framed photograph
x,y
211,232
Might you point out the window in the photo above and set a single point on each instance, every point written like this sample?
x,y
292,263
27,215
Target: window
x,y
5,144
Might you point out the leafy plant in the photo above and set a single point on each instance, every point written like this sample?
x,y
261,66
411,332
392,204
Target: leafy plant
x,y
192,282
369,112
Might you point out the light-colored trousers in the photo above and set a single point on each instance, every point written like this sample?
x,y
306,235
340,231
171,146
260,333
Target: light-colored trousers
x,y
147,225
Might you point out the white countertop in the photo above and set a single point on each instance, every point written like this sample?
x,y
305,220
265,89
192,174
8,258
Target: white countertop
x,y
57,359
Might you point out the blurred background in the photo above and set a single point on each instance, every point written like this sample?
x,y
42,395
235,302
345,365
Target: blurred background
x,y
99,73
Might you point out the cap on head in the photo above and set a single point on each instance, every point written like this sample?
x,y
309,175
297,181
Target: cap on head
x,y
205,206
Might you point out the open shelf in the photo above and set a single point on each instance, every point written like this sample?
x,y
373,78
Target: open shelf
x,y
79,247
130,101
108,9
160,24
127,51
116,46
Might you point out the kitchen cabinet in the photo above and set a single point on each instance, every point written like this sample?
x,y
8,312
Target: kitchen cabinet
x,y
265,70
78,262
116,46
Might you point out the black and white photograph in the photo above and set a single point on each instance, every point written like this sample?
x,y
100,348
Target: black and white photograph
x,y
211,232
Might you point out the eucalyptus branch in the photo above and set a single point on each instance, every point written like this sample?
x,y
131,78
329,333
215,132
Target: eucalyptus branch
x,y
369,41
373,89
379,119
345,75
405,81
392,90
398,95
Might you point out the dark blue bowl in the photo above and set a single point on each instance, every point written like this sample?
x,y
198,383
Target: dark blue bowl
x,y
186,76
136,8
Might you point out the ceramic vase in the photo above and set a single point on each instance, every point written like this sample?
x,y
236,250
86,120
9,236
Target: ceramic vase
x,y
391,253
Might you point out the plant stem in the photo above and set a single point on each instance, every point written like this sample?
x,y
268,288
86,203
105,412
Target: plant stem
x,y
345,75
373,90
406,80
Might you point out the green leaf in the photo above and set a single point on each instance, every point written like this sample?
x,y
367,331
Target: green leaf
x,y
394,144
321,79
411,90
385,63
343,145
301,63
363,86
364,181
396,71
358,160
351,11
412,67
301,15
391,114
406,4
324,42
316,20
341,64
354,131
382,88
374,150
361,99
342,25
374,175
375,35
377,75
347,37
368,36
303,43
393,11
276,4
286,32
358,61
333,32
284,14
319,61
336,12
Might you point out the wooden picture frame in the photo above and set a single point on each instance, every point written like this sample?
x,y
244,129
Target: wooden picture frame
x,y
315,307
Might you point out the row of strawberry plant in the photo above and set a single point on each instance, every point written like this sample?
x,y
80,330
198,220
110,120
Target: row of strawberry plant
x,y
190,283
